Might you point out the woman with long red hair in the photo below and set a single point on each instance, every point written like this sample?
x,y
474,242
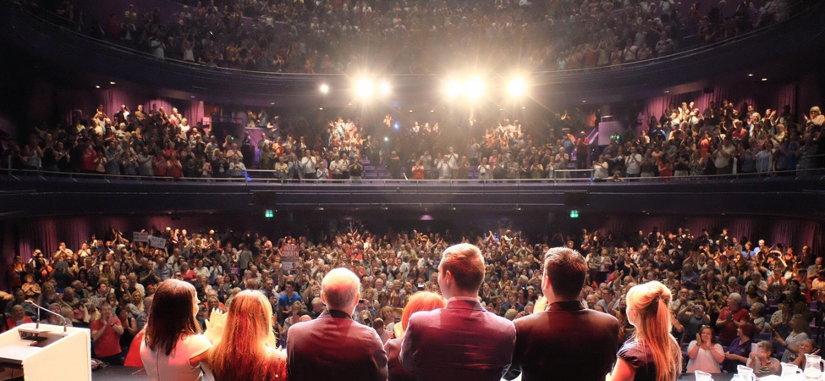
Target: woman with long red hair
x,y
420,301
247,350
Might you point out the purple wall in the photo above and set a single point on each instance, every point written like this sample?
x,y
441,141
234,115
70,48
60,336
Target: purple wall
x,y
22,237
50,102
761,96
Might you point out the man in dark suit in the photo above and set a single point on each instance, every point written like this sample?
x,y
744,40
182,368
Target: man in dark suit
x,y
566,342
334,346
462,341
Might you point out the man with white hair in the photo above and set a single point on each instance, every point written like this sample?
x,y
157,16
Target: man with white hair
x,y
334,346
730,318
462,341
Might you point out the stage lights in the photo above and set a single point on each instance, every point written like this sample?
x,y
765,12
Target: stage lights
x,y
453,88
384,88
363,88
517,87
474,88
324,88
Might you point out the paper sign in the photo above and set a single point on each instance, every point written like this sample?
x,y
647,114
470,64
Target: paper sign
x,y
160,243
140,236
289,257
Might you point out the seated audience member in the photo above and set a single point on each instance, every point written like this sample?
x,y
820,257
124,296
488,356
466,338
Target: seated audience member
x,y
420,301
461,341
247,349
652,354
806,347
19,299
16,318
566,342
761,361
704,353
334,346
740,349
799,333
173,348
106,333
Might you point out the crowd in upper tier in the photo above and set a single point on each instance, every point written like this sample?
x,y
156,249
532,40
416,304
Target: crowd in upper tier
x,y
685,141
742,288
342,36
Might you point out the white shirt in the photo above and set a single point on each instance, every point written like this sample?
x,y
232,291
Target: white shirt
x,y
175,367
309,164
704,360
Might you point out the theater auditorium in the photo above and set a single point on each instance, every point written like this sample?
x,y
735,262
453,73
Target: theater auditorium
x,y
256,190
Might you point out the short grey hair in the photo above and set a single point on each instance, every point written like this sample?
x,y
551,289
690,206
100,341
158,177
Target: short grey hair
x,y
735,296
340,288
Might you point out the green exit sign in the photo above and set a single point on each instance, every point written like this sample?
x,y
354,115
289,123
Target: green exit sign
x,y
574,213
269,213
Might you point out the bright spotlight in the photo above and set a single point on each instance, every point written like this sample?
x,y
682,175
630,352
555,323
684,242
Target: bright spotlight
x,y
453,88
474,88
363,88
324,88
384,88
516,87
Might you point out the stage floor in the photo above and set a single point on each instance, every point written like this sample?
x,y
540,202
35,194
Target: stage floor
x,y
119,373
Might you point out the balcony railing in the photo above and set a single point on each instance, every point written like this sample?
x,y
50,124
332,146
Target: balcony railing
x,y
268,177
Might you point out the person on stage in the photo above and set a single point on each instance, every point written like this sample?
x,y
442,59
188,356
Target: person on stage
x,y
420,301
652,354
333,346
566,342
247,349
173,348
462,341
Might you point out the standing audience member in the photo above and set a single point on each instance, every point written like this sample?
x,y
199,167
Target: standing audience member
x,y
566,342
462,341
106,333
334,346
730,318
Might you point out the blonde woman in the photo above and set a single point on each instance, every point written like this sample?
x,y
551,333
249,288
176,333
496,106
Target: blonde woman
x,y
247,349
652,354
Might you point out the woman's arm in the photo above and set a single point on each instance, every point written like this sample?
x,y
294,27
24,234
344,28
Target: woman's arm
x,y
621,372
693,350
132,326
197,359
717,353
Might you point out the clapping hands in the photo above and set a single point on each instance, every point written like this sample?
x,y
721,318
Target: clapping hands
x,y
541,304
215,326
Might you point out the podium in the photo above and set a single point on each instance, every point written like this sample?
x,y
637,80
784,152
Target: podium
x,y
46,353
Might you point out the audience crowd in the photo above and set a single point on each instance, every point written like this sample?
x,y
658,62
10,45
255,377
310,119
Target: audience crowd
x,y
727,291
322,36
684,141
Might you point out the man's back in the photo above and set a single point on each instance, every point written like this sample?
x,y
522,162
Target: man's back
x,y
459,342
335,347
566,343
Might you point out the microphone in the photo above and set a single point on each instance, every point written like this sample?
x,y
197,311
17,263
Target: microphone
x,y
65,321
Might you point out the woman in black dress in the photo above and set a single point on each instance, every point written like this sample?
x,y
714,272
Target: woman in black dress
x,y
651,354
